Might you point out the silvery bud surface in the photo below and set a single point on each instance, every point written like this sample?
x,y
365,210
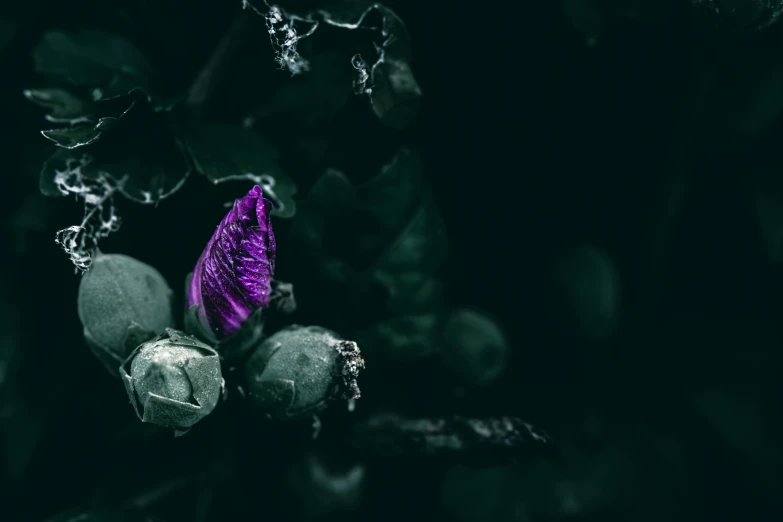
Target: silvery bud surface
x,y
173,381
300,370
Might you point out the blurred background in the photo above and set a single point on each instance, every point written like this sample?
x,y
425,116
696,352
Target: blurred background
x,y
608,179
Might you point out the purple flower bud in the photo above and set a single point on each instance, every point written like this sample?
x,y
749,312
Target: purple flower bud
x,y
233,276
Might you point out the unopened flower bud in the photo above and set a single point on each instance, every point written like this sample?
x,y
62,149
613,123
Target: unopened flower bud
x,y
300,369
173,381
473,348
122,302
233,277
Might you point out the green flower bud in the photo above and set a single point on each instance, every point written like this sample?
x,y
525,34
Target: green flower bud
x,y
122,302
473,348
586,295
173,381
300,369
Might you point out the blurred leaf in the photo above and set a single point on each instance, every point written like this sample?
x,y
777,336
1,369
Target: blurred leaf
x,y
592,18
586,291
7,33
473,495
333,194
767,200
733,15
394,93
392,195
373,251
400,339
108,63
473,348
63,105
313,98
418,252
229,153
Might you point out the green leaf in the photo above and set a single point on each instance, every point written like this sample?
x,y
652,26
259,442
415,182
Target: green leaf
x,y
392,195
79,136
229,153
388,80
108,63
400,339
313,98
416,254
140,152
107,115
395,95
369,256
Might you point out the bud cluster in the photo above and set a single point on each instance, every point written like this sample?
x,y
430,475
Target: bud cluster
x,y
173,378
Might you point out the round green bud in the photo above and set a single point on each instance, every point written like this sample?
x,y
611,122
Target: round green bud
x,y
473,348
586,294
173,381
122,302
300,369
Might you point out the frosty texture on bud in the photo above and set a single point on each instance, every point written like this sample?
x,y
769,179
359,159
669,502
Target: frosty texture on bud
x,y
300,369
173,381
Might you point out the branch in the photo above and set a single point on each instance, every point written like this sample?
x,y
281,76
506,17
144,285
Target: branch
x,y
391,436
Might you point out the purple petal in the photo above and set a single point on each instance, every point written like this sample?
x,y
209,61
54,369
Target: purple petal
x,y
233,276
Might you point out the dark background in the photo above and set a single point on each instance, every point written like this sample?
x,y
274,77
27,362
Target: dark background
x,y
534,141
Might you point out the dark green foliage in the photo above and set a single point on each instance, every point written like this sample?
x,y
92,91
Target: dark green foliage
x,y
367,257
568,213
144,143
225,152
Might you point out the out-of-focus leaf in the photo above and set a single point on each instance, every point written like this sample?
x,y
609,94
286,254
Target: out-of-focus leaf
x,y
313,98
473,348
373,252
767,201
102,515
592,17
471,495
7,33
63,105
747,428
229,153
107,63
752,85
400,339
587,291
315,487
418,252
394,93
391,196
737,15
